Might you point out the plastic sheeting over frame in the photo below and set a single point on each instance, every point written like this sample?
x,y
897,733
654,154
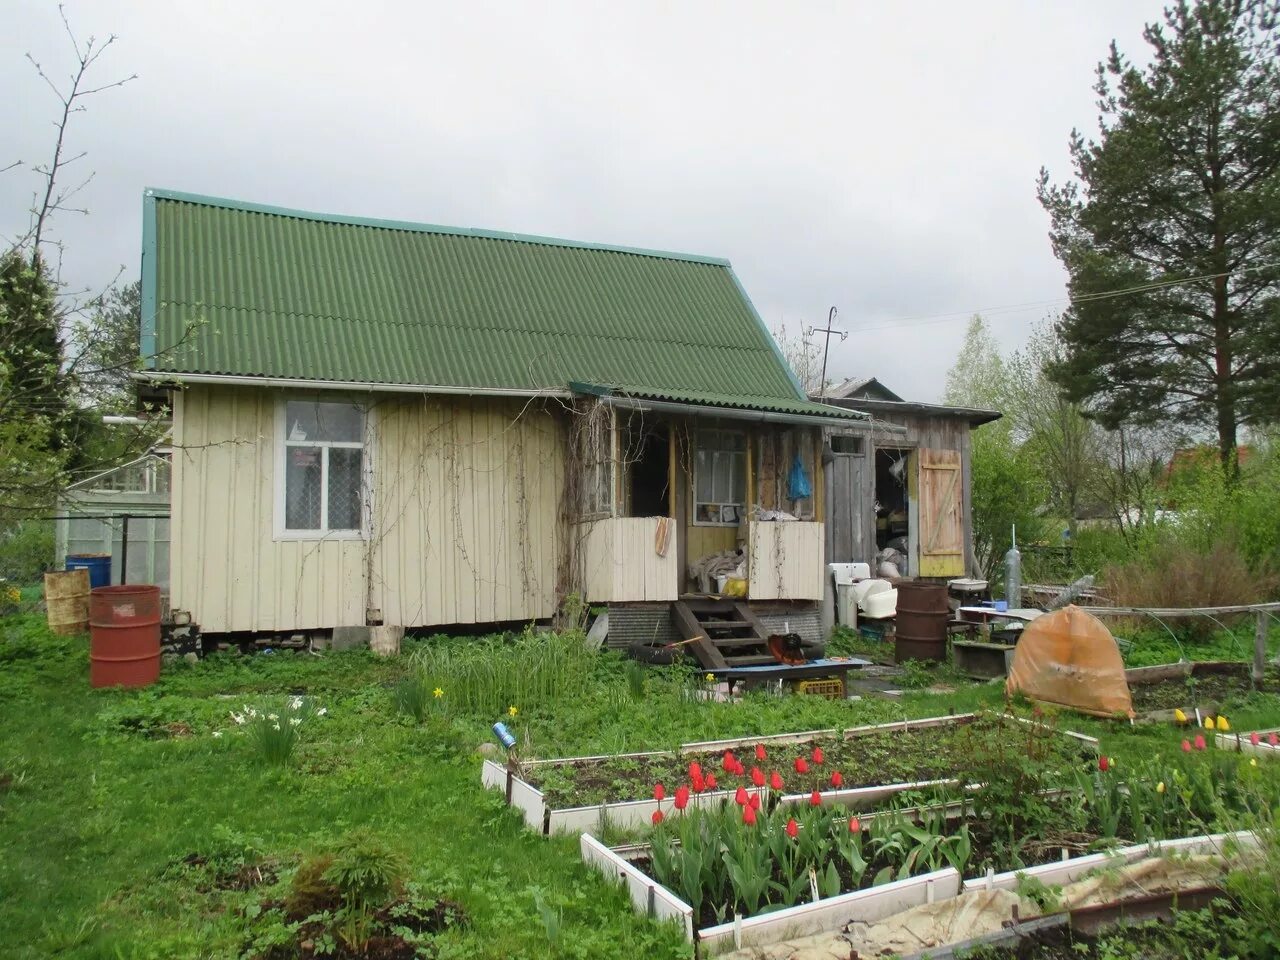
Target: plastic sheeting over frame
x,y
1070,658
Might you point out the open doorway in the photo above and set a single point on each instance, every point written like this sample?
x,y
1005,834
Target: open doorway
x,y
649,472
893,505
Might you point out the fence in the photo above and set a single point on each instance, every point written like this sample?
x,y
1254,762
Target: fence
x,y
138,545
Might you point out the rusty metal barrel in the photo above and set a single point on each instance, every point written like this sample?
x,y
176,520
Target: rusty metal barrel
x,y
920,627
124,636
66,601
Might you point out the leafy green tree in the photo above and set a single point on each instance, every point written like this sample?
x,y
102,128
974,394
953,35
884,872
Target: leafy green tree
x,y
1007,489
107,351
1182,184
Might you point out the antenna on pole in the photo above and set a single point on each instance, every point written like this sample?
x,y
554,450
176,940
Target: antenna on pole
x,y
829,329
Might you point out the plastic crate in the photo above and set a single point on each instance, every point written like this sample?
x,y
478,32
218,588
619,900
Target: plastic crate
x,y
830,687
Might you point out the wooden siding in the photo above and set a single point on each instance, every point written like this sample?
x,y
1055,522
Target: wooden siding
x,y
463,517
226,567
941,534
785,560
465,511
621,564
851,484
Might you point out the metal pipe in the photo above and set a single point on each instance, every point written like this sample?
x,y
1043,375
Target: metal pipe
x,y
124,548
176,379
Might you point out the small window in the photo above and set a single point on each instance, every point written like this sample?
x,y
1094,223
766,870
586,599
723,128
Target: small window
x,y
321,490
719,478
597,461
846,443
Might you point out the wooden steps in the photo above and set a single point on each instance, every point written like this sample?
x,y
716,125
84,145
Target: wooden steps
x,y
722,633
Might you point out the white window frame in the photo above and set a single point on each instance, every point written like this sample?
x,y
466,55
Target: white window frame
x,y
693,477
282,445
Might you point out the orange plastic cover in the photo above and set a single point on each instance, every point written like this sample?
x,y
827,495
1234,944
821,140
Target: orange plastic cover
x,y
1069,657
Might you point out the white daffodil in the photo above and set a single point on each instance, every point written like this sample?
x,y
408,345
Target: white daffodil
x,y
217,733
275,726
295,703
294,721
272,716
322,711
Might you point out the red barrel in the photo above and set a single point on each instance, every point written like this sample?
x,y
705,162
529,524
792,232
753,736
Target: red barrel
x,y
124,636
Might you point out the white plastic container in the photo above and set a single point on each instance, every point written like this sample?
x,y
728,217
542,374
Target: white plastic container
x,y
883,603
865,588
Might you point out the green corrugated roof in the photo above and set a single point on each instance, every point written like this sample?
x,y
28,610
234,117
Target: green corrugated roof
x,y
282,293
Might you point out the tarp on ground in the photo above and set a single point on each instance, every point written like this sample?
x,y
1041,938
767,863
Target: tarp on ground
x,y
1069,657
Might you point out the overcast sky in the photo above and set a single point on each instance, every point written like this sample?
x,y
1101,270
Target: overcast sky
x,y
879,157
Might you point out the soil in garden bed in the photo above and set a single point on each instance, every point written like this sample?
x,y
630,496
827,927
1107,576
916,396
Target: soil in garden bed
x,y
894,756
1200,934
1202,690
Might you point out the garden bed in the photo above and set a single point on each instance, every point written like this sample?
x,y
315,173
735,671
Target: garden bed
x,y
861,900
856,768
1260,743
1158,691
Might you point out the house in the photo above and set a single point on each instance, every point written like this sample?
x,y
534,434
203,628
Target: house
x,y
378,422
901,479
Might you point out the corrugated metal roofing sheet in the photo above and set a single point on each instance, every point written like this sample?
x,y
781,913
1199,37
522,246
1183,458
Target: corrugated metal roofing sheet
x,y
238,289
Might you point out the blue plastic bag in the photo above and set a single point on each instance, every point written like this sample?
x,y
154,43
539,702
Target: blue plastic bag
x,y
798,486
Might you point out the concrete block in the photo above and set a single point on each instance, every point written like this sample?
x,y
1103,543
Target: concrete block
x,y
349,638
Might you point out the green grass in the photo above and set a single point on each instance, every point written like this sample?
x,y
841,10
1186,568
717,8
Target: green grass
x,y
103,801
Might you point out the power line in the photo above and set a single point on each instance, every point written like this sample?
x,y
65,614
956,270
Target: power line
x,y
1083,298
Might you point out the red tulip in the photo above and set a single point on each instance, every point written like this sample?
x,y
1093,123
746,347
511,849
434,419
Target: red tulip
x,y
802,765
748,815
682,797
728,762
1254,738
755,801
760,754
738,768
837,779
699,784
775,780
815,799
757,776
740,798
793,828
695,771
855,825
1104,763
711,781
1186,746
1199,741
657,817
659,791
1273,739
818,756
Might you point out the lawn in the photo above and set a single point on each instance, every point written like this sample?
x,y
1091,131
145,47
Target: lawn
x,y
126,821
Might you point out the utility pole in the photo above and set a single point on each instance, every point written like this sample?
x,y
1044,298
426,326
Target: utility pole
x,y
829,329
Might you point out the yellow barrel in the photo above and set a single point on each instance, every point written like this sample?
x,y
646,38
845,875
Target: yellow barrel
x,y
66,598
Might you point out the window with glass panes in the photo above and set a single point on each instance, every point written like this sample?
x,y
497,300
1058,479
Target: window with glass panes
x,y
597,454
323,468
719,477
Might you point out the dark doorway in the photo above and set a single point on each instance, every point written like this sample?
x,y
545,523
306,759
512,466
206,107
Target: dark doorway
x,y
650,472
892,500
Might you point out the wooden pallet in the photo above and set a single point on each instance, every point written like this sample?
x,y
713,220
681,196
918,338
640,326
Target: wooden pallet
x,y
722,633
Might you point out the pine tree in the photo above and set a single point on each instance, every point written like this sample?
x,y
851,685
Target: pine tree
x,y
1182,184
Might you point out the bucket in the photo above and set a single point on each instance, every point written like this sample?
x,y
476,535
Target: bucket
x,y
921,625
66,600
124,636
98,565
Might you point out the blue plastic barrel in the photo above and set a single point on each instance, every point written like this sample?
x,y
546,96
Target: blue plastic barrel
x,y
98,565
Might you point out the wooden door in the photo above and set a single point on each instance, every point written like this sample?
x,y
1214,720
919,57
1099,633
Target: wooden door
x,y
941,524
848,510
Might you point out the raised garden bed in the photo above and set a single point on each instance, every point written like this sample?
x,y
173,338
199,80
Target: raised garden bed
x,y
1260,743
1158,691
874,763
867,901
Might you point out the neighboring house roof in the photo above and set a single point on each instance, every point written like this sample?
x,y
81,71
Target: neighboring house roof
x,y
859,387
244,290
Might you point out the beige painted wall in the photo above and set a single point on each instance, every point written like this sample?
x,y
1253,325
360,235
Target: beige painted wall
x,y
463,517
785,560
620,562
